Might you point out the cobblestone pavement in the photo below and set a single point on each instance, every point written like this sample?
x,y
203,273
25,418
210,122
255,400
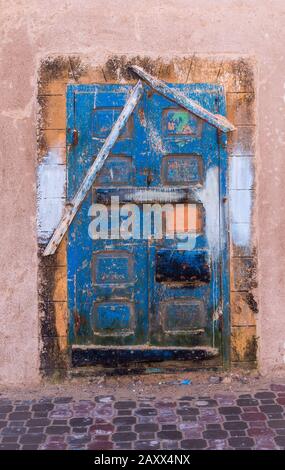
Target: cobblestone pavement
x,y
223,421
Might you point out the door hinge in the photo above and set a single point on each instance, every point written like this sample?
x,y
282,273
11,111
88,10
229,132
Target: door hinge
x,y
74,137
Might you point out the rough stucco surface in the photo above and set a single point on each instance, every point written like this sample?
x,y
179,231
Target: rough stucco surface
x,y
33,29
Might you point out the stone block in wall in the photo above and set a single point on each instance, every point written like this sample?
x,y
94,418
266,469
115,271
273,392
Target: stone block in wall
x,y
241,141
243,274
53,112
243,344
241,108
243,309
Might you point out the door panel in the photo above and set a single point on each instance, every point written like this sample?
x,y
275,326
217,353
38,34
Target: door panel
x,y
146,291
186,292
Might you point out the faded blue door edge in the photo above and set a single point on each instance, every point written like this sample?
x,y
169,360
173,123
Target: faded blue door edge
x,y
224,243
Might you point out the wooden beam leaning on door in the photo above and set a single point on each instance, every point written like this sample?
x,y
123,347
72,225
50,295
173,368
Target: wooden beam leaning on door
x,y
216,120
72,206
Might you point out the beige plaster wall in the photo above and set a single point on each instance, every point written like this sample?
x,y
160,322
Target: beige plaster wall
x,y
33,29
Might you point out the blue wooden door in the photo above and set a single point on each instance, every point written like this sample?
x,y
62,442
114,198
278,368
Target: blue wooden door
x,y
146,290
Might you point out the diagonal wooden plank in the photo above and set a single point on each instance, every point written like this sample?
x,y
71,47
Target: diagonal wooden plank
x,y
216,120
96,166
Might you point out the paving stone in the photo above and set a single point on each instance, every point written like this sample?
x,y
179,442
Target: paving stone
x,y
78,439
124,428
146,412
63,400
9,446
271,408
147,445
211,426
100,445
281,401
187,410
79,430
272,416
165,404
215,434
170,435
193,444
124,412
232,417
277,387
235,425
123,445
230,410
59,414
13,430
253,417
57,422
38,422
53,446
146,436
247,402
40,414
32,439
264,443
30,447
105,398
187,418
218,444
264,395
22,408
124,436
169,427
19,415
125,404
241,442
277,423
124,420
102,429
80,421
250,409
150,419
42,407
280,441
35,430
10,439
147,427
237,433
6,409
170,445
210,415
57,429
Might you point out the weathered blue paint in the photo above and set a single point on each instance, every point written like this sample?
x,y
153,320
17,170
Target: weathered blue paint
x,y
147,292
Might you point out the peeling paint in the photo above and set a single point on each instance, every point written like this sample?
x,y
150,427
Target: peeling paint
x,y
51,193
209,196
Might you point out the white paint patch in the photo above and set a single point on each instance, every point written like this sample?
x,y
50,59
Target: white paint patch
x,y
241,235
209,196
51,193
241,172
157,195
240,206
155,139
241,180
